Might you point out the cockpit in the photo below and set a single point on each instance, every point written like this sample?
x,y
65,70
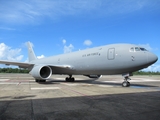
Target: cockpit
x,y
135,49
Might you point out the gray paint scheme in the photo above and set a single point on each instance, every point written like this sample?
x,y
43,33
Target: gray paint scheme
x,y
103,60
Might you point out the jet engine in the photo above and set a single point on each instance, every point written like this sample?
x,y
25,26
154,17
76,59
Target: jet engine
x,y
41,72
93,76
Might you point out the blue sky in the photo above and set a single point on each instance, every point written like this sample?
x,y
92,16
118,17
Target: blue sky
x,y
60,26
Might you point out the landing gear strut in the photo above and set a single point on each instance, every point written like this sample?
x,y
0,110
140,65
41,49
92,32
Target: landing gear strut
x,y
70,79
126,82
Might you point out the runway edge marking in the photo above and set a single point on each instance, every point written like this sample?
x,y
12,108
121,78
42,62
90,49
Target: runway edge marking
x,y
46,88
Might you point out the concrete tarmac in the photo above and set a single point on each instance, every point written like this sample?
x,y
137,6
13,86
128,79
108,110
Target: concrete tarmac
x,y
21,98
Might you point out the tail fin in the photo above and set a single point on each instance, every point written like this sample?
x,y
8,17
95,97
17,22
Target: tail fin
x,y
31,54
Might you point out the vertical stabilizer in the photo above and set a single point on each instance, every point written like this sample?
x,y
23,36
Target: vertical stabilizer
x,y
31,54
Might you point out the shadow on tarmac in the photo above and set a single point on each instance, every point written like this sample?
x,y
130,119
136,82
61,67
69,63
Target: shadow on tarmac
x,y
132,106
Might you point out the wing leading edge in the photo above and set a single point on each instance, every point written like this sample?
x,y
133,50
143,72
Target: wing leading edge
x,y
27,65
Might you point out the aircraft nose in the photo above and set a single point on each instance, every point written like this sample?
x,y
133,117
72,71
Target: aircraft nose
x,y
152,58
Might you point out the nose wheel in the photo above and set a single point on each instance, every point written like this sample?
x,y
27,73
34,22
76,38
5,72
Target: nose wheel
x,y
126,82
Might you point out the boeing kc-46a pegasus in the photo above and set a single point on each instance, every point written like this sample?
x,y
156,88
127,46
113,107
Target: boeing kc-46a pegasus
x,y
104,60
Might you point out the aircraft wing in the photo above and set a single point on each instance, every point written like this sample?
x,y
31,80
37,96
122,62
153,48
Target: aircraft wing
x,y
20,64
60,69
27,65
61,66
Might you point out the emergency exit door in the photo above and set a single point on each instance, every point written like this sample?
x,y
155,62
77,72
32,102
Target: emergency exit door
x,y
111,53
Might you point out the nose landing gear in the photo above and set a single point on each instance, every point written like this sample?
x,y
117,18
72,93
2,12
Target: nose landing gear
x,y
126,82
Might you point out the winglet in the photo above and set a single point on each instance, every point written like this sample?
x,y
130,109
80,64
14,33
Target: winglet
x,y
31,54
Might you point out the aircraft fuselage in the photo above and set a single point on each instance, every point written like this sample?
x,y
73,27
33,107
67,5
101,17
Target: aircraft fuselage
x,y
103,60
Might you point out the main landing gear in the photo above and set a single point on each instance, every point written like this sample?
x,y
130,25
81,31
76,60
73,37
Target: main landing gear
x,y
37,80
126,82
70,79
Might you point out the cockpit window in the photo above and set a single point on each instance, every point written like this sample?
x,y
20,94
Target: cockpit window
x,y
137,49
143,49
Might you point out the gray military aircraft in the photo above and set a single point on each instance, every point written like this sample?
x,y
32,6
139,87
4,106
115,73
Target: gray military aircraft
x,y
104,60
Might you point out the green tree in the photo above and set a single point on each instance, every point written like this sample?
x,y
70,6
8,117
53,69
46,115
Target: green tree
x,y
13,70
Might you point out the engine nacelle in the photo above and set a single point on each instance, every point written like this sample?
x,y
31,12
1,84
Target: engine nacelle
x,y
93,76
41,72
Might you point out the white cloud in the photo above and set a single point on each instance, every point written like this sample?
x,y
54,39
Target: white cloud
x,y
68,49
26,61
7,53
64,41
40,57
87,42
153,68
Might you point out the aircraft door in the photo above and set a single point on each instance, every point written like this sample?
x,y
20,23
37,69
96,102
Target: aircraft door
x,y
111,53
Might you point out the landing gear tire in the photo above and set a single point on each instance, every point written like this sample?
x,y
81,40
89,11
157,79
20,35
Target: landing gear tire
x,y
42,80
37,80
67,79
126,84
70,79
